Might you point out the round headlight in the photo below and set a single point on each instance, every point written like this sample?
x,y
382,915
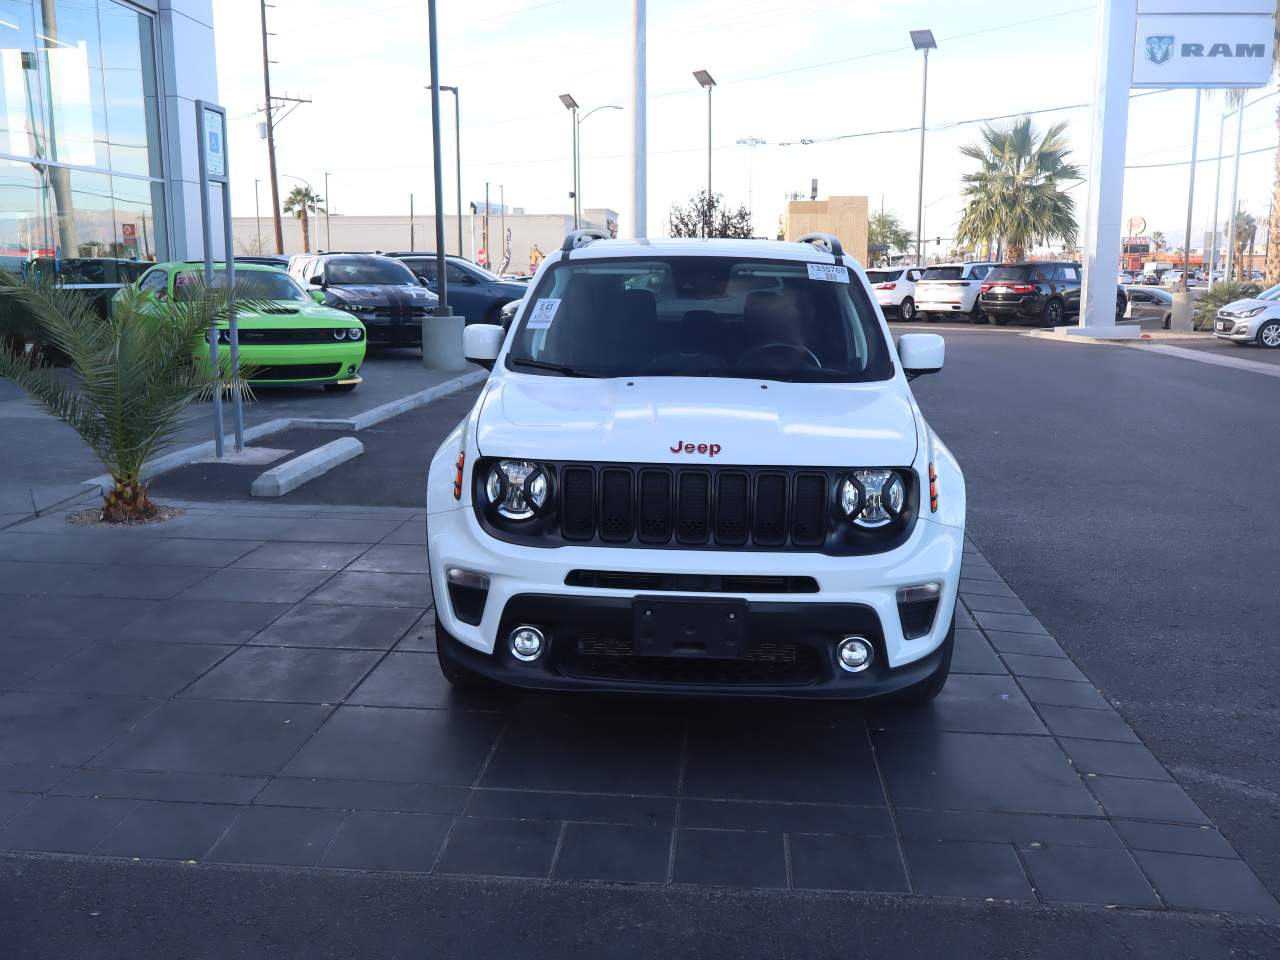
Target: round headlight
x,y
519,488
354,333
883,496
339,333
850,497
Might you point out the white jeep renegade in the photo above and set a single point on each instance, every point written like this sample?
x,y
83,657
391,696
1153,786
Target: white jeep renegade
x,y
697,467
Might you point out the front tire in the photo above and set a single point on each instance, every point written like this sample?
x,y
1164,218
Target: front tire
x,y
928,688
907,310
1269,335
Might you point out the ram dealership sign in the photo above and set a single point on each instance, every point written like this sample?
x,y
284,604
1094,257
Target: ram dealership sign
x,y
1176,46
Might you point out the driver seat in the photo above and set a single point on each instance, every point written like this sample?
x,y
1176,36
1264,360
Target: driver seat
x,y
771,317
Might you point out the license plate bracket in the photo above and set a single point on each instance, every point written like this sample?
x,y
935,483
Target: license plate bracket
x,y
692,627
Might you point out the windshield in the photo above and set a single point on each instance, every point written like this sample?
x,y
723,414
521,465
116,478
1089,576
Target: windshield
x,y
1271,293
883,276
701,317
944,273
1009,273
349,271
250,284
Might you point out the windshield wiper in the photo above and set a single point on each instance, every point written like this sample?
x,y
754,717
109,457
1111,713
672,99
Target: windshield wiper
x,y
561,368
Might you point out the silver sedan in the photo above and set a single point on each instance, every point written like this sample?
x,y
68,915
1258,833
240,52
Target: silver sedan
x,y
1150,306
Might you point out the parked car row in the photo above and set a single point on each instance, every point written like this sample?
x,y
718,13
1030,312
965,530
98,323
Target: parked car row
x,y
1043,292
1255,320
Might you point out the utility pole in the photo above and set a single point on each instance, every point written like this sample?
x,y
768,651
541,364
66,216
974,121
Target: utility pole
x,y
411,236
271,137
328,234
484,233
257,214
502,202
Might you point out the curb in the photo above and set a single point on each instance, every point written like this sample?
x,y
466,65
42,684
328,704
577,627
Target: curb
x,y
292,474
178,458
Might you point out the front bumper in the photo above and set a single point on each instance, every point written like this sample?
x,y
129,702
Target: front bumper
x,y
309,363
1236,330
790,637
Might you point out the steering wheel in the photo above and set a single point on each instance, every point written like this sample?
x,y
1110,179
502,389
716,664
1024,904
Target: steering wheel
x,y
804,352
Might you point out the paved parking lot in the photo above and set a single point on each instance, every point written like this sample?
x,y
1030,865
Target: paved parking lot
x,y
257,685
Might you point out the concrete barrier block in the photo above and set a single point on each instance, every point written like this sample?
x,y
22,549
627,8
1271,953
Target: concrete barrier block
x,y
292,474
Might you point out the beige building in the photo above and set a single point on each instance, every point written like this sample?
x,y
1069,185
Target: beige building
x,y
546,231
845,217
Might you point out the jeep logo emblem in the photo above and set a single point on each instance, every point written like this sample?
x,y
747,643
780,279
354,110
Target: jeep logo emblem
x,y
706,449
1159,49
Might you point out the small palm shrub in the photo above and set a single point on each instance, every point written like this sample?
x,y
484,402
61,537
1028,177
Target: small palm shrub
x,y
1223,292
132,375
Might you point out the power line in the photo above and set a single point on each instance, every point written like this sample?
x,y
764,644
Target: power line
x,y
1199,160
950,124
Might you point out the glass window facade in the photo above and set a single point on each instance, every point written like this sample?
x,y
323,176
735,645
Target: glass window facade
x,y
80,161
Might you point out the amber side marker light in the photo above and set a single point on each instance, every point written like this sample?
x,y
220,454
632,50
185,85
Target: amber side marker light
x,y
462,459
933,489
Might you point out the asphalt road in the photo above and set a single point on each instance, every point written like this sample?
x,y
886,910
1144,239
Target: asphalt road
x,y
1125,497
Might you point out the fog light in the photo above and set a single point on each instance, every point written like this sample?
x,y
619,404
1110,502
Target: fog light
x,y
527,643
854,654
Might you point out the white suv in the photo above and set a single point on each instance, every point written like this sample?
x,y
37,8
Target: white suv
x,y
697,466
895,289
951,288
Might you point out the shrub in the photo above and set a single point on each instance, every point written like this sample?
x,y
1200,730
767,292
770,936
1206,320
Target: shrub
x,y
1223,292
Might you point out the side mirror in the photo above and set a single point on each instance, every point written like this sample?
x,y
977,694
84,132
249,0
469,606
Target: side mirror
x,y
481,343
317,296
317,280
921,353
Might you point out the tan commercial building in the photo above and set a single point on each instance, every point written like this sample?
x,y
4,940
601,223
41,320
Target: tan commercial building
x,y
533,235
845,217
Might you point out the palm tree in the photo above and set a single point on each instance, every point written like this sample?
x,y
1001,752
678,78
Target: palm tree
x,y
131,377
1246,232
1017,195
300,202
1157,241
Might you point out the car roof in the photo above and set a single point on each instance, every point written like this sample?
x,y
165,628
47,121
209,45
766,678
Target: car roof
x,y
696,247
187,266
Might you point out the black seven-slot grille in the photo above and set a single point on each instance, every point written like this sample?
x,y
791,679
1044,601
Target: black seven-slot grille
x,y
693,507
706,507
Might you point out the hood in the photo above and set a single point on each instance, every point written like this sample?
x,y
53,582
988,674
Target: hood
x,y
1236,307
293,313
399,295
697,420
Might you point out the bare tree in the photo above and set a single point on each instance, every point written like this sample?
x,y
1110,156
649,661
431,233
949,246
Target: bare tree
x,y
705,217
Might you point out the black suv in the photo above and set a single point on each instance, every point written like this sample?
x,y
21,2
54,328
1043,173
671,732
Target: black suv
x,y
474,292
382,292
1046,292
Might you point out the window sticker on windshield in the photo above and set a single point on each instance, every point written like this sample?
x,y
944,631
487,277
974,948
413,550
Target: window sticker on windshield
x,y
829,272
544,311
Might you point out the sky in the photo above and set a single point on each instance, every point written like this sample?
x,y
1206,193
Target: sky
x,y
809,70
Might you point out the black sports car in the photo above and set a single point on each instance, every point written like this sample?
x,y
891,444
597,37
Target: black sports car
x,y
389,300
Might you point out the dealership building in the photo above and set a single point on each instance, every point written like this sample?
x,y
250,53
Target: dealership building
x,y
98,138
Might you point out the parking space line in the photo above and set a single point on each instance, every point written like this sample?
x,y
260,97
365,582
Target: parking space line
x,y
1216,359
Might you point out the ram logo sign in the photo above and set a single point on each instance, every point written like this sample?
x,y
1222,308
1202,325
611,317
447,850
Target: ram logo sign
x,y
1200,50
1159,49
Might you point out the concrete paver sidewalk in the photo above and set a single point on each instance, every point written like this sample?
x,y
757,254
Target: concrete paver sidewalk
x,y
257,684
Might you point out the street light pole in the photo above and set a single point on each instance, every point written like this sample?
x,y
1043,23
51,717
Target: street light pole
x,y
442,334
922,40
639,130
751,143
1235,185
571,105
705,79
1217,188
328,233
257,213
1191,194
457,150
